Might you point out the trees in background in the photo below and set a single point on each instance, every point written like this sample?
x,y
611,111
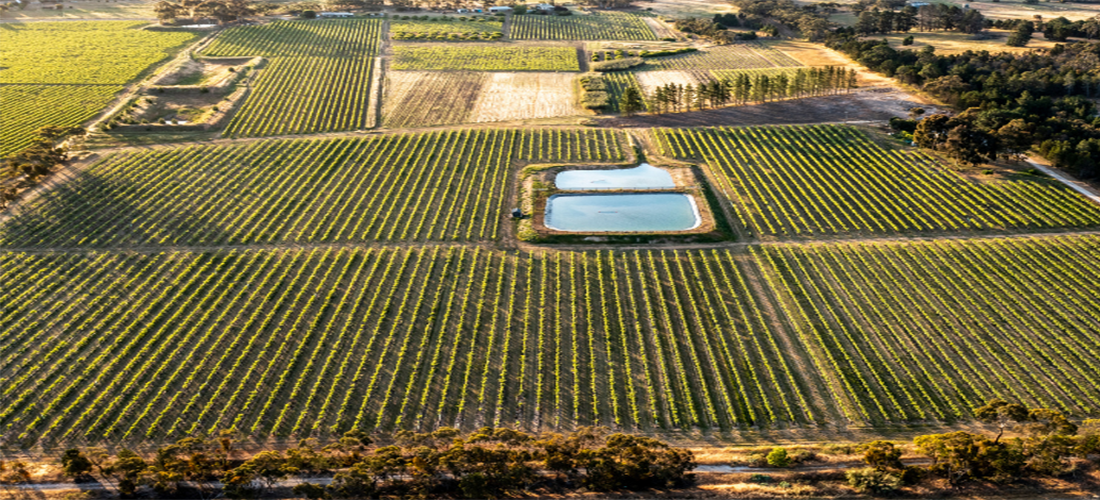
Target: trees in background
x,y
224,11
1014,102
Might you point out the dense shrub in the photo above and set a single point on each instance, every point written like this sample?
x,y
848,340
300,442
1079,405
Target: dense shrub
x,y
617,64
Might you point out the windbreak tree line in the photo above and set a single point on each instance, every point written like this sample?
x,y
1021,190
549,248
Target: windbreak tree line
x,y
1009,103
742,87
488,463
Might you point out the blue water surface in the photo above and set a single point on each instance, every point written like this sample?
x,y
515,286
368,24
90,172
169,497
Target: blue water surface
x,y
642,212
644,176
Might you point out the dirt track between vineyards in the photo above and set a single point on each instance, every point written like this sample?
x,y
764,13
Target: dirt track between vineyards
x,y
529,247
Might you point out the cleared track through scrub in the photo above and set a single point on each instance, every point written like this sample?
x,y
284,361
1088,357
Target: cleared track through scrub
x,y
295,343
316,79
810,181
441,186
595,26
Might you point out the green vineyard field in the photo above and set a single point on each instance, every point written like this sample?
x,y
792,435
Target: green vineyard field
x,y
65,73
317,76
746,55
484,58
83,52
446,29
313,342
597,26
833,180
27,108
436,186
931,330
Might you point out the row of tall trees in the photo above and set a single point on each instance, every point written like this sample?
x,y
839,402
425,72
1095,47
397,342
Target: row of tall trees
x,y
489,463
742,89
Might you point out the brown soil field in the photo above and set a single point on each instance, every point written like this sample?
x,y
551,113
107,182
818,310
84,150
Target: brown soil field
x,y
520,96
650,80
857,106
428,98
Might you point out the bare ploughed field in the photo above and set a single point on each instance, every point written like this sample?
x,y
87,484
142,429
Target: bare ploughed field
x,y
866,105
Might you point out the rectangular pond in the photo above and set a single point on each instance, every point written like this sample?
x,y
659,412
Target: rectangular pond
x,y
642,212
644,176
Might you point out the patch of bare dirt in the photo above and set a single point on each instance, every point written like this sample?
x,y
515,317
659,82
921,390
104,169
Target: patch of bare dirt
x,y
870,105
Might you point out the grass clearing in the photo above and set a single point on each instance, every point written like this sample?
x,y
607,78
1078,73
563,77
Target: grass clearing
x,y
650,80
525,96
484,58
120,9
595,26
949,42
88,52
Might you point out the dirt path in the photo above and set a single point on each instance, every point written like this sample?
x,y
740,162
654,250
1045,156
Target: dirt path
x,y
290,483
510,244
1065,179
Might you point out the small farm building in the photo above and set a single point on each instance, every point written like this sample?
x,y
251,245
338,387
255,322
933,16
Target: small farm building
x,y
337,14
500,9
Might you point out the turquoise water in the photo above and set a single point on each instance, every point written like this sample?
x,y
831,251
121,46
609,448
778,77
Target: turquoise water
x,y
645,212
644,176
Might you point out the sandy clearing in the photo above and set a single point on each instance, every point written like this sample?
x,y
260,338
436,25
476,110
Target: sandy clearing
x,y
650,80
521,96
